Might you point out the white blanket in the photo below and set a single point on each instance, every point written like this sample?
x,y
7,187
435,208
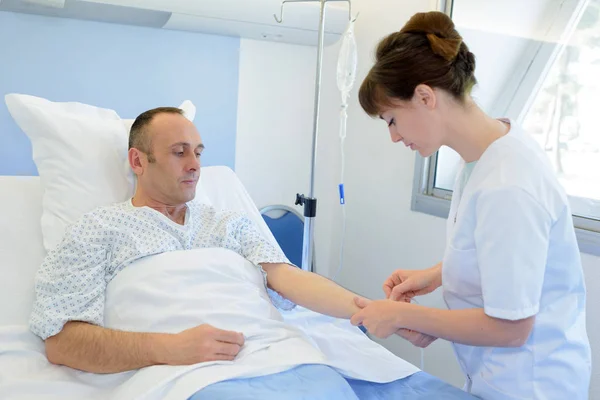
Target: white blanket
x,y
175,291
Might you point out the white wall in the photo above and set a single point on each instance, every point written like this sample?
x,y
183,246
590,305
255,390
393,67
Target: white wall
x,y
275,109
273,159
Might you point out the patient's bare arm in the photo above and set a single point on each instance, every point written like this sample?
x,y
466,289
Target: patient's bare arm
x,y
311,290
100,350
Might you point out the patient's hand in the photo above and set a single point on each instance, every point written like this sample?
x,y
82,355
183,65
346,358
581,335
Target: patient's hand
x,y
418,339
203,343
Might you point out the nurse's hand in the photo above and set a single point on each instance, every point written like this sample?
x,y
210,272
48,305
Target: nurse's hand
x,y
417,339
379,317
405,284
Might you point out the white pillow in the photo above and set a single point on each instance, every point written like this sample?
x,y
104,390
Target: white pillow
x,y
81,155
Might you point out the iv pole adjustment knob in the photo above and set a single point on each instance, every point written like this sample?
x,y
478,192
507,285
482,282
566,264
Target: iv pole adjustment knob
x,y
310,205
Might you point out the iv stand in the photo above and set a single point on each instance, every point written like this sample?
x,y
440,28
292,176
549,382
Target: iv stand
x,y
310,202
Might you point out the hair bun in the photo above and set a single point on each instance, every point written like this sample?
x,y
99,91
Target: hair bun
x,y
447,48
445,41
465,60
427,50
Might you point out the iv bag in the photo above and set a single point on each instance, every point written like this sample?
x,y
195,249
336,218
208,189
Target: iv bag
x,y
347,61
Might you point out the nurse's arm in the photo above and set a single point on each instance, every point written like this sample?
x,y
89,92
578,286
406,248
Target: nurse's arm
x,y
310,290
471,326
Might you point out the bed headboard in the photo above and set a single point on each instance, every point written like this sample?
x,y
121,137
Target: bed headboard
x,y
21,249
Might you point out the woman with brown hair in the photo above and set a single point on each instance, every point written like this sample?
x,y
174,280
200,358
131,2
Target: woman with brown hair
x,y
511,275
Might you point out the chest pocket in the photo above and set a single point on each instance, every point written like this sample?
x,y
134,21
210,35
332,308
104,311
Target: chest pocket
x,y
461,278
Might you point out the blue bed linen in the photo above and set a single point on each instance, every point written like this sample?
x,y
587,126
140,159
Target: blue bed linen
x,y
318,382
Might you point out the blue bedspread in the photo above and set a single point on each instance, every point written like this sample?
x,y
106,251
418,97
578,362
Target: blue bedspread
x,y
317,382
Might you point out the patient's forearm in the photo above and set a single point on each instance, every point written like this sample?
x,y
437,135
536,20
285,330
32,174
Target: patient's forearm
x,y
311,291
95,349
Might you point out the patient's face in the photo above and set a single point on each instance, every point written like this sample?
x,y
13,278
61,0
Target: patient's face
x,y
176,147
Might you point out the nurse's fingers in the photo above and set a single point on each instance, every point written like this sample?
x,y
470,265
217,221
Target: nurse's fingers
x,y
416,338
361,302
387,290
357,319
390,283
403,290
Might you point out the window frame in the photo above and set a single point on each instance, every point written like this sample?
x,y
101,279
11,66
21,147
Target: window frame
x,y
516,98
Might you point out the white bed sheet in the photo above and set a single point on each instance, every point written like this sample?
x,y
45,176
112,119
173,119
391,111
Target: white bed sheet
x,y
25,373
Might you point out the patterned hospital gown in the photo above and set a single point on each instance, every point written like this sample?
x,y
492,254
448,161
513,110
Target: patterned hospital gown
x,y
71,283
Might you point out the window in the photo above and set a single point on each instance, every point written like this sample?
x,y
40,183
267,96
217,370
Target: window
x,y
542,69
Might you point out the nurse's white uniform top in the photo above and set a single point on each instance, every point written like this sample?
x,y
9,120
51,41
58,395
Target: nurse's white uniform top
x,y
512,251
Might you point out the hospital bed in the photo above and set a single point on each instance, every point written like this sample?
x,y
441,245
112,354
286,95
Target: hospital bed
x,y
22,356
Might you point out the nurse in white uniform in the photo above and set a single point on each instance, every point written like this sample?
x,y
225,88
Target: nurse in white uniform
x,y
511,274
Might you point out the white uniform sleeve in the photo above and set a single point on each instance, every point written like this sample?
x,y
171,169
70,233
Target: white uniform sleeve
x,y
512,239
70,285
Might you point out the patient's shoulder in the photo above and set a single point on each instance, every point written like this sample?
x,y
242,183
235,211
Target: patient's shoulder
x,y
101,217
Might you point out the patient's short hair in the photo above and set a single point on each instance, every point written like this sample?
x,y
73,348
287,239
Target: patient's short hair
x,y
138,136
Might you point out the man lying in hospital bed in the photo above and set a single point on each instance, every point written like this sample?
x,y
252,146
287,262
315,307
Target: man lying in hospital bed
x,y
165,151
226,304
192,303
